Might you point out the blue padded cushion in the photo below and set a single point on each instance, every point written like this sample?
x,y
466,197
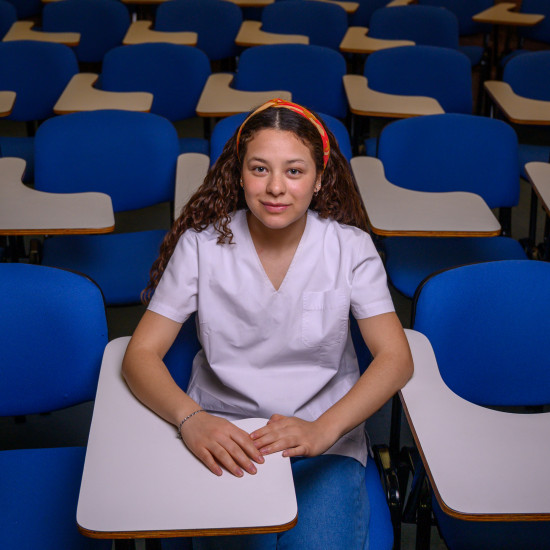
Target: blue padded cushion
x,y
38,499
119,263
488,324
532,153
424,25
225,128
540,31
453,152
324,24
130,156
8,16
215,21
102,25
38,72
526,75
313,74
174,74
409,260
464,12
27,8
57,366
441,73
486,535
474,53
22,147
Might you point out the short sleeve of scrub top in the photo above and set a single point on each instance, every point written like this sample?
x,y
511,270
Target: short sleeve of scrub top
x,y
267,350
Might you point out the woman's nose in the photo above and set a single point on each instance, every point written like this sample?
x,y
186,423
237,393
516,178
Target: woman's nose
x,y
276,184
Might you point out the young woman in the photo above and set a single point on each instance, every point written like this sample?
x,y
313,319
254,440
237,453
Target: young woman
x,y
272,253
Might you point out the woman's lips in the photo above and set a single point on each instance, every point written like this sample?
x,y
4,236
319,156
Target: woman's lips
x,y
275,207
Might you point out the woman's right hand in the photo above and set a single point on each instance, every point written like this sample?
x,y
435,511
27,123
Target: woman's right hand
x,y
217,442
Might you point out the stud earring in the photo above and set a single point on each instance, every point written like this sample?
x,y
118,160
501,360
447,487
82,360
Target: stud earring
x,y
241,182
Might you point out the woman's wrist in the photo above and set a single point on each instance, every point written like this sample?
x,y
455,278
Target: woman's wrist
x,y
185,419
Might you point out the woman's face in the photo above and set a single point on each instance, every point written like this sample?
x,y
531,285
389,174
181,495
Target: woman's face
x,y
279,178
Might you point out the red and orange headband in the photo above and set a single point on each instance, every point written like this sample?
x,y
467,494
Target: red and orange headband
x,y
297,109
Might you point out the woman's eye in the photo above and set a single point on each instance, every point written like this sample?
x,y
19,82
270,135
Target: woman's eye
x,y
294,171
259,169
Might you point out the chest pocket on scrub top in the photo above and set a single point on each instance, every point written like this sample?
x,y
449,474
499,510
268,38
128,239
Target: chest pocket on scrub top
x,y
324,318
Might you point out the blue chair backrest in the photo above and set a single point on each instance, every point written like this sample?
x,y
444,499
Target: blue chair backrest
x,y
453,152
540,31
488,324
226,127
53,332
324,23
441,73
528,73
130,156
8,16
313,74
37,72
464,11
425,25
27,8
102,25
216,22
361,17
174,74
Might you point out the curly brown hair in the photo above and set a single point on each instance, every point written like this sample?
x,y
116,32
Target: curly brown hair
x,y
221,194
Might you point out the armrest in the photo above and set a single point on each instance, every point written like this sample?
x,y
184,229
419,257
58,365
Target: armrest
x,y
251,34
366,102
7,100
218,99
394,210
22,30
140,32
518,109
356,40
80,95
190,173
25,211
539,176
502,14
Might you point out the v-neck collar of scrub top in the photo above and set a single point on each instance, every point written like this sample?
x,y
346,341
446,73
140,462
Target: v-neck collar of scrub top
x,y
241,218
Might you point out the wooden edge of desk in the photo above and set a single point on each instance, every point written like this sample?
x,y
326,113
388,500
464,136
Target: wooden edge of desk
x,y
140,32
502,14
388,233
358,94
54,231
450,511
504,97
357,40
252,3
395,3
22,30
251,34
188,532
348,7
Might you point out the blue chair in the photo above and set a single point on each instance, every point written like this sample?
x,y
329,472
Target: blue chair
x,y
526,76
361,17
53,332
130,156
215,21
313,74
450,152
325,24
102,25
225,128
38,73
541,31
27,8
486,359
8,16
174,74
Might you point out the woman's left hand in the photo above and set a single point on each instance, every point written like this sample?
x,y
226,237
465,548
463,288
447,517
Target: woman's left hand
x,y
293,436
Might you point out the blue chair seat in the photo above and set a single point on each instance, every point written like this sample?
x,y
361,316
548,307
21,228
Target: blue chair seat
x,y
474,53
38,499
118,263
411,259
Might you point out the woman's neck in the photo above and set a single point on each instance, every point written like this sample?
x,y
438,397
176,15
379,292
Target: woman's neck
x,y
275,239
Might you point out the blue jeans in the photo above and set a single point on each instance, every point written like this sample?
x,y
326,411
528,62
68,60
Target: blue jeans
x,y
333,511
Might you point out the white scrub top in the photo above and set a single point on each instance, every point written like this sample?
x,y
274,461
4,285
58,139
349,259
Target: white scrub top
x,y
265,351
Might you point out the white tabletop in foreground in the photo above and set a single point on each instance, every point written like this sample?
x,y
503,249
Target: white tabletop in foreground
x,y
139,479
393,210
484,464
25,211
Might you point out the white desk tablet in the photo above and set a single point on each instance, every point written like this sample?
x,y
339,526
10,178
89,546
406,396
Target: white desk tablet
x,y
139,480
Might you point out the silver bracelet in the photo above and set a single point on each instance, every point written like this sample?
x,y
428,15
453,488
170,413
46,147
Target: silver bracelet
x,y
185,420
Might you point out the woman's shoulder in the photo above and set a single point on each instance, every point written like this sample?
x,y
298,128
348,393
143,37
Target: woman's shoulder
x,y
210,233
331,227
